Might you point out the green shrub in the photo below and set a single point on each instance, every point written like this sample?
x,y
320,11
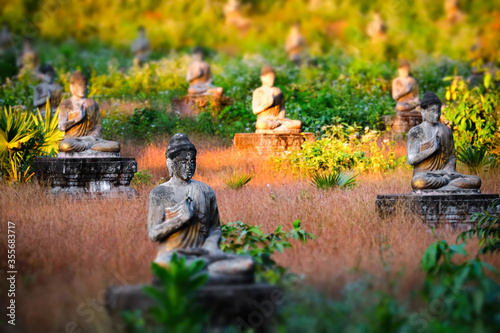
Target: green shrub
x,y
23,136
475,158
342,148
237,180
334,179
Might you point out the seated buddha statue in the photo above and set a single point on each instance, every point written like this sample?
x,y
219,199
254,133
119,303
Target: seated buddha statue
x,y
47,90
140,47
268,103
199,77
405,89
431,151
28,59
183,218
295,44
80,119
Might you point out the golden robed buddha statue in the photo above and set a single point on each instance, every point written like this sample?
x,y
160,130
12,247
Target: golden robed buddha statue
x,y
268,103
80,119
431,151
405,89
184,218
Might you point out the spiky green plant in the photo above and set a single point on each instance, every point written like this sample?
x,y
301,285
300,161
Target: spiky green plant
x,y
340,179
23,136
238,179
474,158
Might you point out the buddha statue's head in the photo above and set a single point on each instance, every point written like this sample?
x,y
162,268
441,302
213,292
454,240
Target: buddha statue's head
x,y
431,108
5,27
181,157
404,68
295,27
141,31
47,73
78,85
267,76
197,54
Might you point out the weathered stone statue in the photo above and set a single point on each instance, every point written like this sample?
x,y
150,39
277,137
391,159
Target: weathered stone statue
x,y
453,12
377,28
28,59
80,119
405,89
295,44
199,77
141,47
183,217
268,103
431,151
47,90
234,16
5,39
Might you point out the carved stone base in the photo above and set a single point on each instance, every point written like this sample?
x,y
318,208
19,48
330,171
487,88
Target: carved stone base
x,y
446,209
190,106
87,177
406,120
87,153
268,143
246,306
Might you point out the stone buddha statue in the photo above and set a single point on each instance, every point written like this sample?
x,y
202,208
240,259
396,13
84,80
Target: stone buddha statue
x,y
295,44
199,77
5,39
183,217
47,90
431,151
268,103
28,59
140,47
377,28
80,119
405,89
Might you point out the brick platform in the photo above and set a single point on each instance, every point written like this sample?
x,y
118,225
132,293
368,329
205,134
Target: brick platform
x,y
268,143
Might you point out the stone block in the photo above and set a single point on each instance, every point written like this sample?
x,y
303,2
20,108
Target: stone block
x,y
247,306
406,120
269,143
451,210
87,177
191,106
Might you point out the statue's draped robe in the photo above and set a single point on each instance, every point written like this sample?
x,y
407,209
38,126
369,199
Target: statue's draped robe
x,y
194,232
274,116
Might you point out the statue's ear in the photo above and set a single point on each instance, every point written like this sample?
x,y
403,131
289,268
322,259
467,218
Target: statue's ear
x,y
169,166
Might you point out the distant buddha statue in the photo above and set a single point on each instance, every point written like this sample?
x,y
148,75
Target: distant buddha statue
x,y
199,77
141,47
453,12
28,60
268,103
377,28
234,16
405,89
431,151
80,119
5,39
184,218
47,90
295,44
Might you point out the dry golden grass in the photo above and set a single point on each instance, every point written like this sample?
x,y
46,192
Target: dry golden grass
x,y
69,251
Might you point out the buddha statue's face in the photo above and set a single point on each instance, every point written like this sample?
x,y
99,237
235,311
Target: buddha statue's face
x,y
78,89
268,79
47,77
404,71
432,114
183,165
197,56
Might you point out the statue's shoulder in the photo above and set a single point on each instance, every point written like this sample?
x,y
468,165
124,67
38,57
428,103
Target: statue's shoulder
x,y
66,104
90,103
445,129
162,190
416,132
201,186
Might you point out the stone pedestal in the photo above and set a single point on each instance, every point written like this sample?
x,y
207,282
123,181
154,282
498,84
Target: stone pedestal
x,y
406,120
447,209
190,106
247,306
87,177
269,143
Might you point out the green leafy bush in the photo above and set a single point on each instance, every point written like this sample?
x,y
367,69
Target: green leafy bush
x,y
23,136
237,180
342,148
475,158
340,179
241,238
